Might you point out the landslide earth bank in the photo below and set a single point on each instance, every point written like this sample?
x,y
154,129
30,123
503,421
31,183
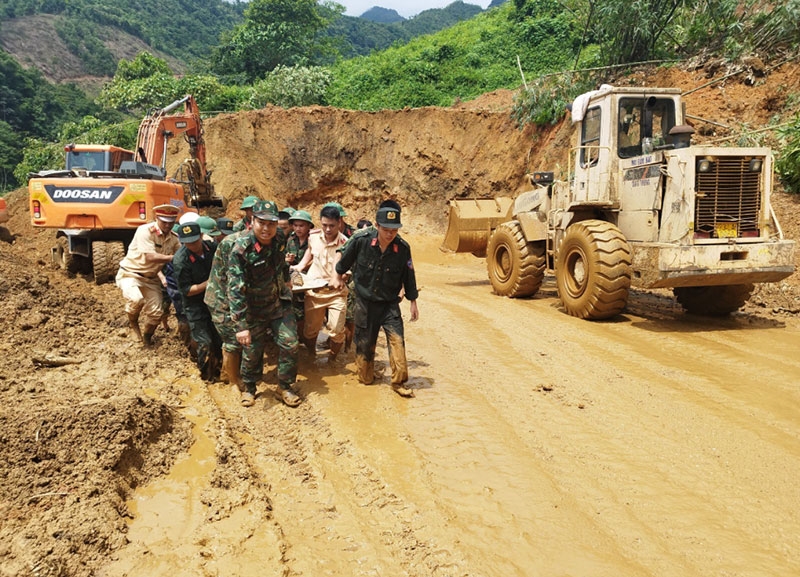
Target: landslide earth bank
x,y
306,156
76,439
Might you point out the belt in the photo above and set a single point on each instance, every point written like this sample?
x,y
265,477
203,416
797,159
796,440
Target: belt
x,y
154,275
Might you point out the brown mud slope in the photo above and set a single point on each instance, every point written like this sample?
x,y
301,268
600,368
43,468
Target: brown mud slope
x,y
652,444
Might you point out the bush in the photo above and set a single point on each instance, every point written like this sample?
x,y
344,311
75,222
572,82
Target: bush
x,y
788,163
545,100
289,86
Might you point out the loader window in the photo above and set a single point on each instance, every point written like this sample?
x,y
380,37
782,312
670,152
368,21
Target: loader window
x,y
644,118
87,160
590,137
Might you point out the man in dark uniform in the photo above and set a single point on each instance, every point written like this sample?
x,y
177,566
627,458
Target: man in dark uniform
x,y
192,265
260,297
382,265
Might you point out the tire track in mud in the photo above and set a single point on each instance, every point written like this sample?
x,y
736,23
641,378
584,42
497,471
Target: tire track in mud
x,y
338,515
690,436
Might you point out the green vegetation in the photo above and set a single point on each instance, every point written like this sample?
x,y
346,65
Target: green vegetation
x,y
787,166
462,61
185,29
300,52
30,107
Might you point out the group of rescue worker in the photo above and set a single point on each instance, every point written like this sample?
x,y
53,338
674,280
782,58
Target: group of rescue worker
x,y
272,276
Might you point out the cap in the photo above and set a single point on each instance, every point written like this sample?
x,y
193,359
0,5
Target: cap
x,y
302,215
286,213
166,212
337,206
265,210
390,204
207,225
188,217
189,232
249,202
225,225
388,218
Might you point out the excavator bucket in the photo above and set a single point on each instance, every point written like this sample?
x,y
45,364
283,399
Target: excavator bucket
x,y
472,221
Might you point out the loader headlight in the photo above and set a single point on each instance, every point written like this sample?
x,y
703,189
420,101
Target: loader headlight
x,y
755,165
704,165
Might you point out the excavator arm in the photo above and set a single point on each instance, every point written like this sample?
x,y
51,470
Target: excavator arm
x,y
162,124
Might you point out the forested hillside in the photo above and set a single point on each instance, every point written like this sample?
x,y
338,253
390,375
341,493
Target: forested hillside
x,y
183,29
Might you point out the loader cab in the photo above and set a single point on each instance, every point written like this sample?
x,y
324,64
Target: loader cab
x,y
95,157
621,138
644,123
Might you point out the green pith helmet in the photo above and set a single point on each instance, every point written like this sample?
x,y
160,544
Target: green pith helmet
x,y
208,225
265,210
302,215
337,206
249,202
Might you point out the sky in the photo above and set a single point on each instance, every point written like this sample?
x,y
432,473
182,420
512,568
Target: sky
x,y
406,8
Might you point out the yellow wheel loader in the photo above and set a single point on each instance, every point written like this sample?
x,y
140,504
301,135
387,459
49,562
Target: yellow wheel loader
x,y
642,207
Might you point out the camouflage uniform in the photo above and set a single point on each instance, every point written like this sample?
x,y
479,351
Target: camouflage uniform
x,y
191,269
243,224
261,300
216,297
378,278
294,247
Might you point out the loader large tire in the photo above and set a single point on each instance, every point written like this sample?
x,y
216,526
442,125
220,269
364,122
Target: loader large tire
x,y
116,253
713,301
516,267
593,272
101,262
70,263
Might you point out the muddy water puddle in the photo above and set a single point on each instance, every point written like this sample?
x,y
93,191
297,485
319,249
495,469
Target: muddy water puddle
x,y
171,530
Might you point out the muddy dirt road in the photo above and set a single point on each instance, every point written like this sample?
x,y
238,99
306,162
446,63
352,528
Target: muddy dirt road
x,y
653,444
537,444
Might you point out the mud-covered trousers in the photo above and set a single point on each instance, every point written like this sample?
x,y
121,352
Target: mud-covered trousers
x,y
209,343
227,332
284,332
370,317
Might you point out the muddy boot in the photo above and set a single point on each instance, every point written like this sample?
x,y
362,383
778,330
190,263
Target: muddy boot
x,y
349,331
165,321
185,333
133,321
147,335
311,344
231,362
334,352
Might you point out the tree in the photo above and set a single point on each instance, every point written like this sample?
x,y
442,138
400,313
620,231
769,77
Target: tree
x,y
275,33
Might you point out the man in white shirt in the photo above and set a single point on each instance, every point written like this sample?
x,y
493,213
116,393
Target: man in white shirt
x,y
322,254
153,246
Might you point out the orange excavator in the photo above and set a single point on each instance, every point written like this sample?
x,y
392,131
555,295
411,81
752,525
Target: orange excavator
x,y
104,192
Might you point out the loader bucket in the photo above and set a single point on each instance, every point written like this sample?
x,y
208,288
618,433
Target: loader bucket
x,y
472,221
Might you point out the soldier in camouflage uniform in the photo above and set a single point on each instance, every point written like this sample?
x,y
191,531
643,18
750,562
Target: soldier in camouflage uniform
x,y
216,299
296,247
260,297
247,219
